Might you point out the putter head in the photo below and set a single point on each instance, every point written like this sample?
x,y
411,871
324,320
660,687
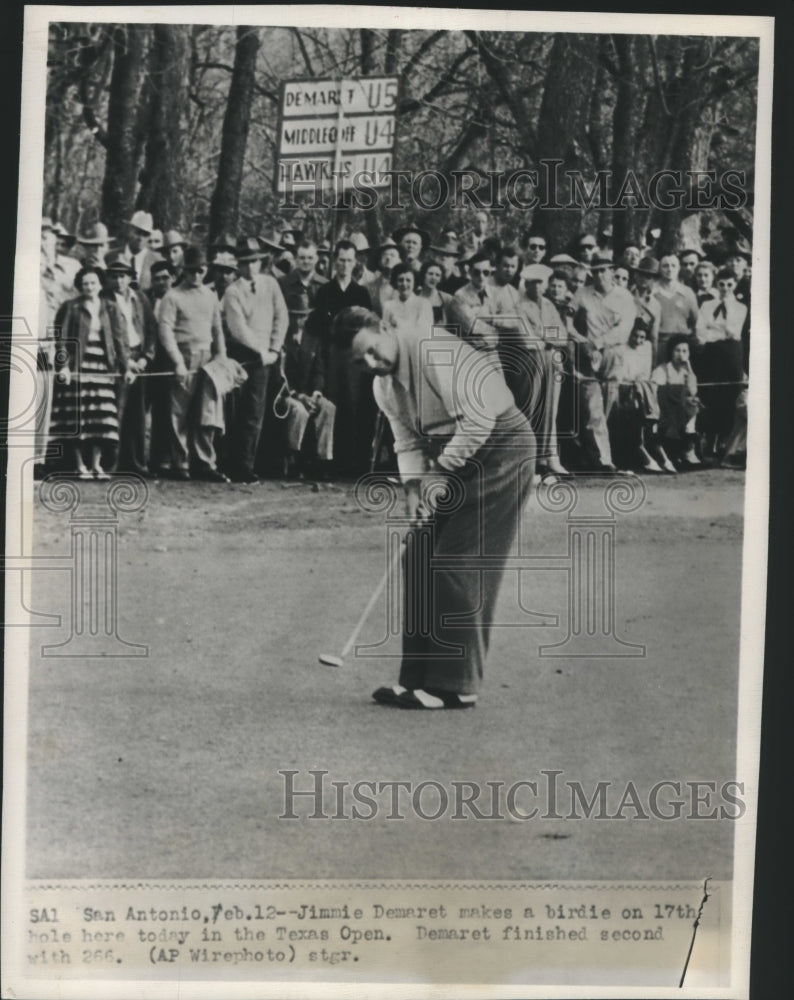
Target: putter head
x,y
330,661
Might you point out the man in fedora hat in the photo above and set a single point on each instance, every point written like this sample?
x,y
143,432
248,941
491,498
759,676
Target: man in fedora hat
x,y
137,251
304,371
174,246
649,311
272,248
223,270
95,244
413,242
191,332
140,329
605,315
256,320
379,286
564,262
448,255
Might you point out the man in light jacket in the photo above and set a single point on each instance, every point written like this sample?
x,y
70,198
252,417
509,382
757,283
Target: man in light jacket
x,y
255,320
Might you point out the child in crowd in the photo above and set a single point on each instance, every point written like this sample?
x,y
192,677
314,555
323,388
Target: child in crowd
x,y
634,425
678,401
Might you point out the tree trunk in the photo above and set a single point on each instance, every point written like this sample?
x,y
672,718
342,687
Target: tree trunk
x,y
162,178
689,150
225,203
570,79
629,223
393,43
367,51
121,162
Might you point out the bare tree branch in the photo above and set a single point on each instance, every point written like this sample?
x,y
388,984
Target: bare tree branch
x,y
304,52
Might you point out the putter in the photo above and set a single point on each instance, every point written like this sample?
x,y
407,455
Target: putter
x,y
328,659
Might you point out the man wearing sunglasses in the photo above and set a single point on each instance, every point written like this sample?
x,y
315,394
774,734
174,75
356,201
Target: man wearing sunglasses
x,y
536,249
586,247
479,304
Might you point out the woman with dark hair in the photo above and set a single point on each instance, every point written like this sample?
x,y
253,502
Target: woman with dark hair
x,y
407,308
91,349
442,303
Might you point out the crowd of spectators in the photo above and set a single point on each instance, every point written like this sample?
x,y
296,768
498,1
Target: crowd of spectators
x,y
167,359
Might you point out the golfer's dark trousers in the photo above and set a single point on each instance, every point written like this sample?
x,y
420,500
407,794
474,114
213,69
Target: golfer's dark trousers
x,y
449,610
249,408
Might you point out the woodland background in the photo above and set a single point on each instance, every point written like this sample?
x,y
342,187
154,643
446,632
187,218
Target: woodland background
x,y
181,120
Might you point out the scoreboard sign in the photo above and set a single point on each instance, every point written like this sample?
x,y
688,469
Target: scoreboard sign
x,y
346,126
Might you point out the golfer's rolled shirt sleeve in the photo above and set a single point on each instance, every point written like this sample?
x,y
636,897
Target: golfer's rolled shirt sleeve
x,y
408,442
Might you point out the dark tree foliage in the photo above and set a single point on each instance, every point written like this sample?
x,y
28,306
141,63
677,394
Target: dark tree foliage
x,y
182,121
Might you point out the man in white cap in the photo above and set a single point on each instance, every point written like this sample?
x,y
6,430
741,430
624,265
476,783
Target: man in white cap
x,y
255,318
137,251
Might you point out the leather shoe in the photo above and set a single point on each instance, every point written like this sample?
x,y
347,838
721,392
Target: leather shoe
x,y
389,694
245,477
212,476
435,700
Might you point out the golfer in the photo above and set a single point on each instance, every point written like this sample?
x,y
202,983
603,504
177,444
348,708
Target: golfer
x,y
465,454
